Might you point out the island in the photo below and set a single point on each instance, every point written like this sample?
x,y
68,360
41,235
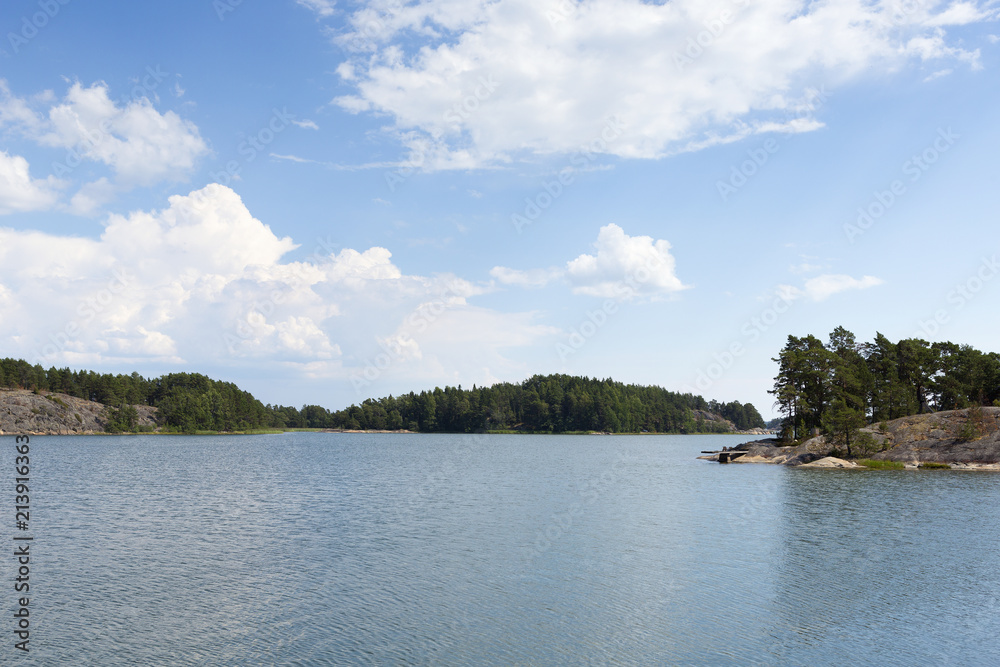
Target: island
x,y
908,404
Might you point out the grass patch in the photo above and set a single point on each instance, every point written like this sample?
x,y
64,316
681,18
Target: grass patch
x,y
57,400
931,465
881,465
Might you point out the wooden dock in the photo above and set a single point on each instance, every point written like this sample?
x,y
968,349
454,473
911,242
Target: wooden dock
x,y
727,455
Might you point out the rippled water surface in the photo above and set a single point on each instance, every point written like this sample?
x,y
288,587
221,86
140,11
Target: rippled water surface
x,y
315,549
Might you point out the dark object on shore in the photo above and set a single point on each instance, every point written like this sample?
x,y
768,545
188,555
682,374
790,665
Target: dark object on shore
x,y
728,454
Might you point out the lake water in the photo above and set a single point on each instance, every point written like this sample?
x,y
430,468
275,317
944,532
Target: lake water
x,y
329,549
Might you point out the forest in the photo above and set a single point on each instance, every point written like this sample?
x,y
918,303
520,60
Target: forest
x,y
189,402
843,385
548,404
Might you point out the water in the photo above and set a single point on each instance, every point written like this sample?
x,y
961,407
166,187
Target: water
x,y
315,549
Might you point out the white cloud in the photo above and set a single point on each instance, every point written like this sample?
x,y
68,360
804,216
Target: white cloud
x,y
960,13
92,196
625,267
533,278
472,83
19,192
822,287
323,8
139,143
292,158
805,267
306,124
938,74
16,112
204,282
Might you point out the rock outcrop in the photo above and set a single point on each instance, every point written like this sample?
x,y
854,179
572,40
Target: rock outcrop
x,y
952,436
23,412
967,439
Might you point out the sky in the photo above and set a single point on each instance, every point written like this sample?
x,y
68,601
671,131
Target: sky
x,y
328,201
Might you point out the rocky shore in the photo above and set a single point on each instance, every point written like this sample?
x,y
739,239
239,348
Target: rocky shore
x,y
963,439
24,412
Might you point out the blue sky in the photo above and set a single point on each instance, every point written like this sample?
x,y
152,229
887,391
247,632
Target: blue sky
x,y
328,201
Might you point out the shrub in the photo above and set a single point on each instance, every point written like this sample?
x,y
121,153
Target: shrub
x,y
56,400
865,444
973,427
932,465
881,465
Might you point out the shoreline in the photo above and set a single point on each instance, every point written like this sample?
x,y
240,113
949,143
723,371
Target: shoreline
x,y
280,431
966,439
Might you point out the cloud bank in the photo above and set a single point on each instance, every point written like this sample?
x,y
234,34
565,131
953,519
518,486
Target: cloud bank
x,y
482,82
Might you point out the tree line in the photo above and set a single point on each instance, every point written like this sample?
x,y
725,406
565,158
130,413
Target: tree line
x,y
843,385
186,402
190,402
549,404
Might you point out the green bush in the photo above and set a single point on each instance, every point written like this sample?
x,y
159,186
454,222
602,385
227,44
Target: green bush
x,y
932,465
973,427
57,400
881,465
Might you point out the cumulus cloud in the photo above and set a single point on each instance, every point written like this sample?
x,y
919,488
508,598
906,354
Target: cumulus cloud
x,y
19,192
91,197
482,82
823,287
623,267
202,281
138,144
